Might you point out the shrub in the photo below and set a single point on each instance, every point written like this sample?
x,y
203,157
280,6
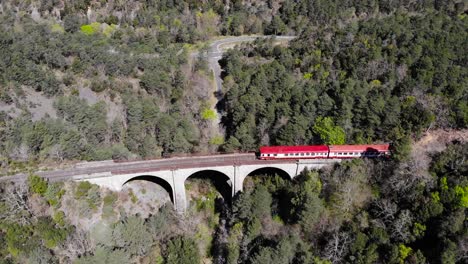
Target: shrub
x,y
217,140
99,85
54,193
109,30
49,233
208,114
108,207
57,28
59,218
90,29
5,97
82,189
17,238
37,184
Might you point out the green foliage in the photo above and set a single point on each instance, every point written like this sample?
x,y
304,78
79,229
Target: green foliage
x,y
208,114
217,140
57,28
49,233
109,205
282,99
90,121
404,252
89,196
376,83
328,132
18,239
37,184
59,218
401,149
233,248
99,85
54,193
132,235
5,96
462,195
207,202
307,75
182,250
82,189
90,29
419,229
159,224
109,30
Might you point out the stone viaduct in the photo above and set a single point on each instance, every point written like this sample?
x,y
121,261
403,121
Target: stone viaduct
x,y
173,176
171,173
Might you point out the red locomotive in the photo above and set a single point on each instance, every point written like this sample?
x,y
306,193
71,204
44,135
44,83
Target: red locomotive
x,y
324,152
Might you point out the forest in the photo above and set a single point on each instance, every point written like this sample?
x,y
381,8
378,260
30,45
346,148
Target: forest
x,y
92,80
359,211
122,85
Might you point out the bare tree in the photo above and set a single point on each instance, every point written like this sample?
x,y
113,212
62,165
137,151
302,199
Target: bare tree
x,y
385,210
351,193
16,198
409,175
56,152
337,247
76,245
401,227
462,256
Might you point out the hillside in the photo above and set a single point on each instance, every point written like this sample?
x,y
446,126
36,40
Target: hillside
x,y
93,80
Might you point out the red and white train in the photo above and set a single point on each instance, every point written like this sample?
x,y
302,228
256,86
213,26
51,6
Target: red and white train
x,y
324,152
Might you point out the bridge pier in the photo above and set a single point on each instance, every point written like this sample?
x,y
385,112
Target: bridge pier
x,y
180,197
238,181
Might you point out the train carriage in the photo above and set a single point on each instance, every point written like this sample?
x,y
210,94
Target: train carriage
x,y
294,152
357,151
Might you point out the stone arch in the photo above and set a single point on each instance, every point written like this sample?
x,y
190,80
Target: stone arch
x,y
265,170
157,180
270,170
221,181
281,200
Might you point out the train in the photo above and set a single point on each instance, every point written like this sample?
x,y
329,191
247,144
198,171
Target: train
x,y
324,152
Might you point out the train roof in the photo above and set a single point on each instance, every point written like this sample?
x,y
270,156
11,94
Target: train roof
x,y
293,149
360,148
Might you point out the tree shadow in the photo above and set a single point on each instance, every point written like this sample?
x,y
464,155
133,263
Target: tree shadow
x,y
154,179
220,181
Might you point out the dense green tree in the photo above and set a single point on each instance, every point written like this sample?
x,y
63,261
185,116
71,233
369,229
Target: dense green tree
x,y
131,235
329,133
182,250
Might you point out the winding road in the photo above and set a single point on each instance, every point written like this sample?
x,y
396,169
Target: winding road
x,y
217,50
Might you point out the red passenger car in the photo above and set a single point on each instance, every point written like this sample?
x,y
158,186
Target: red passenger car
x,y
294,152
357,151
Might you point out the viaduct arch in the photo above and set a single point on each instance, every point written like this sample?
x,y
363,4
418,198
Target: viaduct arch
x,y
157,180
221,182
